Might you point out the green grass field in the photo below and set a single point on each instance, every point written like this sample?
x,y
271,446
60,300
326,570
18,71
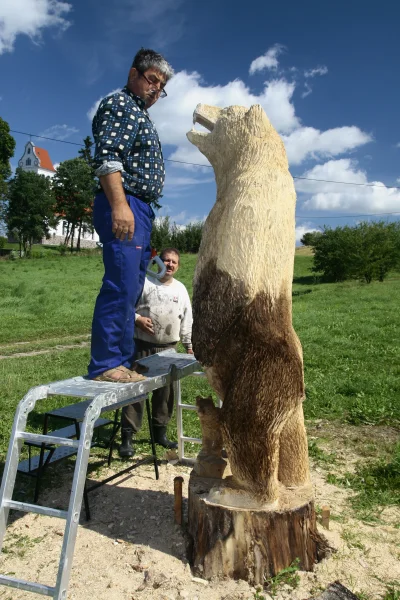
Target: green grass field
x,y
349,333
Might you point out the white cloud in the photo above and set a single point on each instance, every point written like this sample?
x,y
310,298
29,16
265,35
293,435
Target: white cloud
x,y
173,118
317,71
346,198
307,90
30,17
188,157
269,60
180,219
308,142
59,132
177,186
398,145
177,181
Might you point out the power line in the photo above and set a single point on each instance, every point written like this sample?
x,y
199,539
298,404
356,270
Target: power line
x,y
386,187
182,162
46,138
348,216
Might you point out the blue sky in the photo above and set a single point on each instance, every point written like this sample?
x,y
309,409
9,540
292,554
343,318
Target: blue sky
x,y
326,74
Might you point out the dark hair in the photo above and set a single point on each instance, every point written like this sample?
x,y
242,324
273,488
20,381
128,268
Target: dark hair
x,y
173,251
146,58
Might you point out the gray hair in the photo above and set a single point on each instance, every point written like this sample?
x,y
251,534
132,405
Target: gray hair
x,y
146,58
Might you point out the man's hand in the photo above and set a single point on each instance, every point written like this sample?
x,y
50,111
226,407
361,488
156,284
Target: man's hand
x,y
123,221
145,324
189,351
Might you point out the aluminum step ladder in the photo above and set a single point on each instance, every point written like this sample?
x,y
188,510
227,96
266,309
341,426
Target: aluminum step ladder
x,y
180,407
163,369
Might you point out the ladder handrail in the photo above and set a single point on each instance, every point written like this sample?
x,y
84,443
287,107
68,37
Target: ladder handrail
x,y
180,406
25,406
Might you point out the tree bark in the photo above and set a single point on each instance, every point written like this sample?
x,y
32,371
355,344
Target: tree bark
x,y
72,237
78,244
250,543
66,241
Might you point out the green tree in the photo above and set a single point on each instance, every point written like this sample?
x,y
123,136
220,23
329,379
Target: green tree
x,y
7,147
333,254
377,250
366,252
30,208
74,190
184,238
187,238
86,153
161,233
310,238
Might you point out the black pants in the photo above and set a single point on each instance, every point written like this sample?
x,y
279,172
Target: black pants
x,y
162,401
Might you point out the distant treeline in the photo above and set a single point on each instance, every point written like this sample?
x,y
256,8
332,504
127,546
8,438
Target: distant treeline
x,y
367,251
185,238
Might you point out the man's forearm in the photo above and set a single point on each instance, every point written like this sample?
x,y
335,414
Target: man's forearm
x,y
112,186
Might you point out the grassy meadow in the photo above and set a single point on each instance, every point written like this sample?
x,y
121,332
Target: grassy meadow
x,y
349,332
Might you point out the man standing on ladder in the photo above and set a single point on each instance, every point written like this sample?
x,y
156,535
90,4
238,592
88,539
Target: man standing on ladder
x,y
130,168
163,317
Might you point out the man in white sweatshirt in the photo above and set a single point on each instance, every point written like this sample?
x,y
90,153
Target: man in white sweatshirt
x,y
163,317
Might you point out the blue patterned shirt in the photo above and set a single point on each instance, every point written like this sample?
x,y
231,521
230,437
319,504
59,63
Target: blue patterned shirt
x,y
127,141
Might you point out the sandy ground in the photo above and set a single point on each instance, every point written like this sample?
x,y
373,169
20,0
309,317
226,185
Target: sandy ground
x,y
133,550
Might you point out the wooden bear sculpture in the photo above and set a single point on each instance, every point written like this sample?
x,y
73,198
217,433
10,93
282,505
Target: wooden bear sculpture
x,y
242,301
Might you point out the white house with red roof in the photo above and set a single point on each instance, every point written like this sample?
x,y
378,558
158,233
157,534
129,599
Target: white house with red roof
x,y
38,161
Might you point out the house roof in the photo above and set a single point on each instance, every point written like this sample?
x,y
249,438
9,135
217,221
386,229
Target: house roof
x,y
44,159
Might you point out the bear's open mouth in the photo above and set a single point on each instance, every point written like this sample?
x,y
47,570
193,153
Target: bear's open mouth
x,y
202,120
206,116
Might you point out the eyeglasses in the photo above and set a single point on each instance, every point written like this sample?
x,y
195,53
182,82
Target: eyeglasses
x,y
161,91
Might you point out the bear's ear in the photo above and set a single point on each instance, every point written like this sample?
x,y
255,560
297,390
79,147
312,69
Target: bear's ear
x,y
257,121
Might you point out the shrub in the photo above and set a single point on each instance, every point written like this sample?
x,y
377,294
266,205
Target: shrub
x,y
366,252
310,238
185,238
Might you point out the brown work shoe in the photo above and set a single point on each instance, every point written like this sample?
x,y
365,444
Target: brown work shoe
x,y
120,374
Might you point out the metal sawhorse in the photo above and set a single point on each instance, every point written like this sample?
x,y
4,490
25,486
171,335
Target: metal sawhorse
x,y
163,369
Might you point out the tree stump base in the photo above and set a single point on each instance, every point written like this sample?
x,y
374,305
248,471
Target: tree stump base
x,y
233,537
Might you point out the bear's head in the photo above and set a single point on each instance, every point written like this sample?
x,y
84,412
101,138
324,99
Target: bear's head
x,y
238,138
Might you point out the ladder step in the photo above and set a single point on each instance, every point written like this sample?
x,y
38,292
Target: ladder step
x,y
191,439
29,586
35,508
47,439
30,466
188,406
69,431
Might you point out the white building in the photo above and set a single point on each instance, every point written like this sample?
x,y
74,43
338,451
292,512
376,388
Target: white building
x,y
37,160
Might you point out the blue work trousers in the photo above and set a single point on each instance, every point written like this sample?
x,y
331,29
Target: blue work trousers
x,y
125,264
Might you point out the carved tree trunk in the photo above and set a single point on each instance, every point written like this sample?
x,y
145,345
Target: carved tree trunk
x,y
235,536
246,543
